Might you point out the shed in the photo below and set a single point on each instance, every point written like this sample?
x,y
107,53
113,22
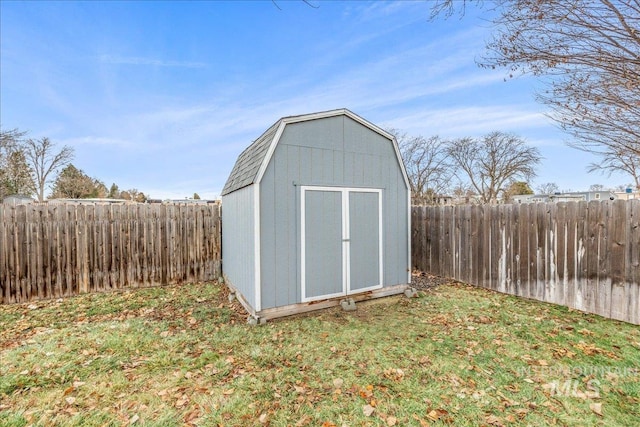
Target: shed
x,y
316,212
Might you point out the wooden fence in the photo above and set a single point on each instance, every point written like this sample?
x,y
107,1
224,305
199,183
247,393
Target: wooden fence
x,y
584,255
55,250
578,254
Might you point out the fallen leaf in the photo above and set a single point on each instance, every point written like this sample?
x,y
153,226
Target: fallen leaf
x,y
422,422
436,414
338,382
596,408
306,420
70,400
392,421
522,412
366,392
134,419
611,376
192,416
477,395
263,418
493,420
394,374
368,410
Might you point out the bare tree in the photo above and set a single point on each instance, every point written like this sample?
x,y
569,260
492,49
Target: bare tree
x,y
307,2
590,53
448,8
10,140
135,195
619,162
596,187
587,52
463,191
493,162
426,162
44,161
548,188
623,187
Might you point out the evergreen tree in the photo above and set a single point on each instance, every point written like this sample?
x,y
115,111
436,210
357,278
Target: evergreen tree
x,y
114,191
73,183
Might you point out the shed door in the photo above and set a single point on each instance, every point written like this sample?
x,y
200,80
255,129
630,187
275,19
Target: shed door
x,y
341,245
365,263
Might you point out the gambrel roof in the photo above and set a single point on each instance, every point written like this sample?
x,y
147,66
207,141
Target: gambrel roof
x,y
252,162
249,161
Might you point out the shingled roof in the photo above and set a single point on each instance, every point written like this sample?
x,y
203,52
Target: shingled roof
x,y
248,164
245,171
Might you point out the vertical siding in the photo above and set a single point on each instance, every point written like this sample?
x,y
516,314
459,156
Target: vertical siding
x,y
375,166
335,151
238,253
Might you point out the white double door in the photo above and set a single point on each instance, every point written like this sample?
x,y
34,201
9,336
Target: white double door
x,y
341,241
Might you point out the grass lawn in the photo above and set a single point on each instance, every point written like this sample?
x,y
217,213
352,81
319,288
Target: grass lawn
x,y
185,355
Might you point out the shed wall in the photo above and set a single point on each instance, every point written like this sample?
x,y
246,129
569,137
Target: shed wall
x,y
238,241
335,151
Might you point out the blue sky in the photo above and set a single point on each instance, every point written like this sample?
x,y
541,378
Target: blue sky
x,y
163,96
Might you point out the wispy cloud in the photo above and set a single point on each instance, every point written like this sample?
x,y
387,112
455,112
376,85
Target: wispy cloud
x,y
96,140
380,10
471,121
138,60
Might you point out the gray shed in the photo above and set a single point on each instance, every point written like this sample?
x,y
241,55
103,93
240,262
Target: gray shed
x,y
315,212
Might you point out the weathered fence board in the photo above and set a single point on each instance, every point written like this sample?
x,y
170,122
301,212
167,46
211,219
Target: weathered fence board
x,y
57,250
584,255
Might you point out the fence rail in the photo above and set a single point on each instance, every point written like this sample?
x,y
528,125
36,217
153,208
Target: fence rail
x,y
55,250
584,255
